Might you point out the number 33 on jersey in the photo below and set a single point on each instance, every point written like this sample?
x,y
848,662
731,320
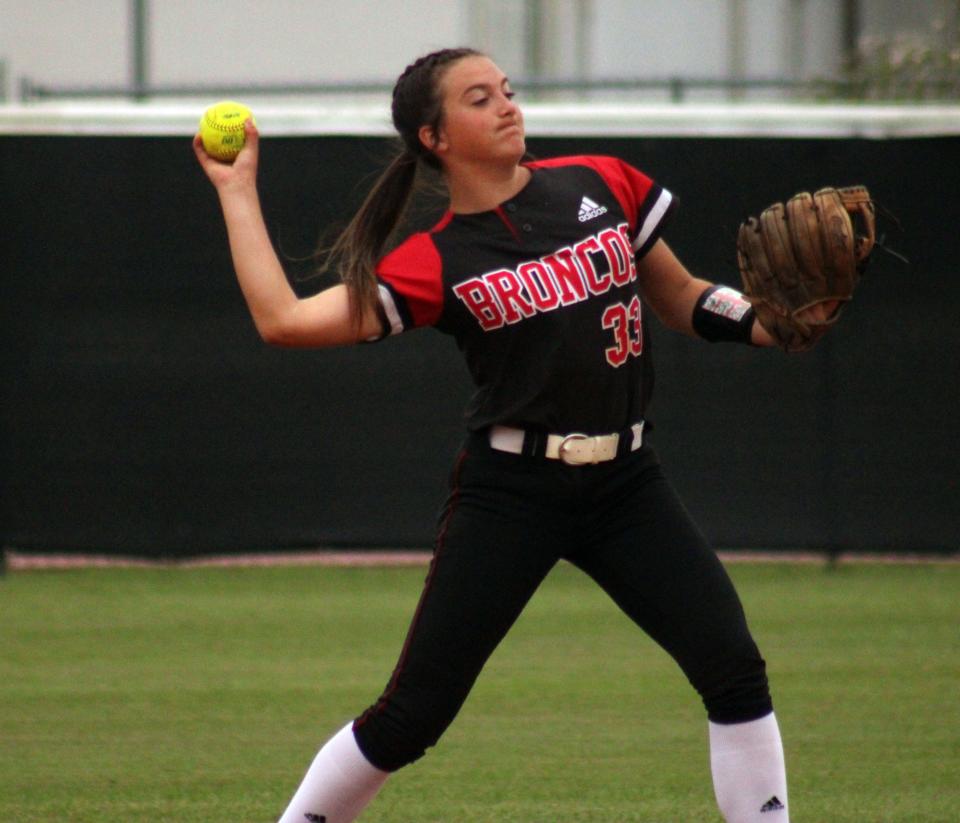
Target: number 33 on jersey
x,y
550,274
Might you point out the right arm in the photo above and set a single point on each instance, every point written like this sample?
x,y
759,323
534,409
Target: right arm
x,y
281,317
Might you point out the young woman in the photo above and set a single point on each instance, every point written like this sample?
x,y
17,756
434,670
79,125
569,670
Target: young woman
x,y
541,270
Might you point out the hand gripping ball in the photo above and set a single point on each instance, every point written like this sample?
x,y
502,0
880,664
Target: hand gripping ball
x,y
221,129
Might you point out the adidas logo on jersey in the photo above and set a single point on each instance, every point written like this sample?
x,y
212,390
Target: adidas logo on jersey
x,y
589,209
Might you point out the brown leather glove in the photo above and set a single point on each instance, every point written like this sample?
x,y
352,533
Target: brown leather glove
x,y
800,262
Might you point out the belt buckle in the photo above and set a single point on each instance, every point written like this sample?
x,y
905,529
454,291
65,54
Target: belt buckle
x,y
564,454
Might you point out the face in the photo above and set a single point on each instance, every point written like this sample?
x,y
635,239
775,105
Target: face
x,y
480,120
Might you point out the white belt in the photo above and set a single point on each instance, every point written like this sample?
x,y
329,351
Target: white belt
x,y
574,449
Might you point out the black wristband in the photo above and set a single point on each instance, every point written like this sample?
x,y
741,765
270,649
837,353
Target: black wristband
x,y
723,314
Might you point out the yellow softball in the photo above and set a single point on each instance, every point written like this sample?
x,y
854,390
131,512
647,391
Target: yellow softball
x,y
221,129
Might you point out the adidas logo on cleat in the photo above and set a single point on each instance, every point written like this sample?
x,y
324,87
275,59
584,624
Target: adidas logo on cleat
x,y
589,209
772,805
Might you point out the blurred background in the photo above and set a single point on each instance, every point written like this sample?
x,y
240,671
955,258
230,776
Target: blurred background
x,y
141,414
682,49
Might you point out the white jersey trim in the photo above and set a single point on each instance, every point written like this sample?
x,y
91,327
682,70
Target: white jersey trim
x,y
654,218
390,309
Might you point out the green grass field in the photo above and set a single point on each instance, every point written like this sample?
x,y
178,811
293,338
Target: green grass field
x,y
177,694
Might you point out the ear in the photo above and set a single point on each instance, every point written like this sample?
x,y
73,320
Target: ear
x,y
433,140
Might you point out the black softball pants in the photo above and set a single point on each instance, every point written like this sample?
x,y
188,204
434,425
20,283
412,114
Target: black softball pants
x,y
507,521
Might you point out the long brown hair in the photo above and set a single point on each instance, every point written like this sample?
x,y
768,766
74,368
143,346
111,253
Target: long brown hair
x,y
416,102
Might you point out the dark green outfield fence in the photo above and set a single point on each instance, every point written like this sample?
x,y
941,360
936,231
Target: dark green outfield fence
x,y
141,414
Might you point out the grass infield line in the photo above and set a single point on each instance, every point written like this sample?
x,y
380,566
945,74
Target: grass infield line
x,y
20,561
202,696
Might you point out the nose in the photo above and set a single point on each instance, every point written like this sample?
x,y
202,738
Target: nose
x,y
507,105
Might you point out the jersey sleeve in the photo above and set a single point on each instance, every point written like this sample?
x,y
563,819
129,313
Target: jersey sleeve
x,y
647,205
410,285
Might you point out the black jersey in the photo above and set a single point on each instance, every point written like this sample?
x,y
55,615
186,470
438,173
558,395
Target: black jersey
x,y
541,295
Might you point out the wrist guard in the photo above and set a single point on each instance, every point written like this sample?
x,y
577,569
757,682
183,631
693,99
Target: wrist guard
x,y
723,314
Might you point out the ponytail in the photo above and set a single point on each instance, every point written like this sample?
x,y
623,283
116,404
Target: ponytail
x,y
361,244
416,102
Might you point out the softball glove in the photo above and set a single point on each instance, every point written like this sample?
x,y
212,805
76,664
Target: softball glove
x,y
801,261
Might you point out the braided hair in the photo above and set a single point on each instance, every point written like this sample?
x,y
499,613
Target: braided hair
x,y
416,102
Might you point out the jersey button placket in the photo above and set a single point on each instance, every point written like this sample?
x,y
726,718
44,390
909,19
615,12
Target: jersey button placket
x,y
511,209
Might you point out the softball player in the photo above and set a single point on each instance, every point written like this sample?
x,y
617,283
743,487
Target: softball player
x,y
542,272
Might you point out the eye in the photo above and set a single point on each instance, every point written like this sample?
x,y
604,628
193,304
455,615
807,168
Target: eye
x,y
509,94
479,101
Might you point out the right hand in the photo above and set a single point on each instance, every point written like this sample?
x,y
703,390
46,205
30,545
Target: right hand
x,y
242,171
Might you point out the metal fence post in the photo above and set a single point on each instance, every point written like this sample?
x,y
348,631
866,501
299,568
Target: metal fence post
x,y
138,42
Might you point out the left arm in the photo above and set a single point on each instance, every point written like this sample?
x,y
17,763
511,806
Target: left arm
x,y
672,292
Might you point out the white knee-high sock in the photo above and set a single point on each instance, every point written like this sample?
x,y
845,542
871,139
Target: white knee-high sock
x,y
338,785
749,776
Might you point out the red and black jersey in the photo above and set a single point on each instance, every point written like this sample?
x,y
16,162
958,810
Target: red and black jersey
x,y
541,295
